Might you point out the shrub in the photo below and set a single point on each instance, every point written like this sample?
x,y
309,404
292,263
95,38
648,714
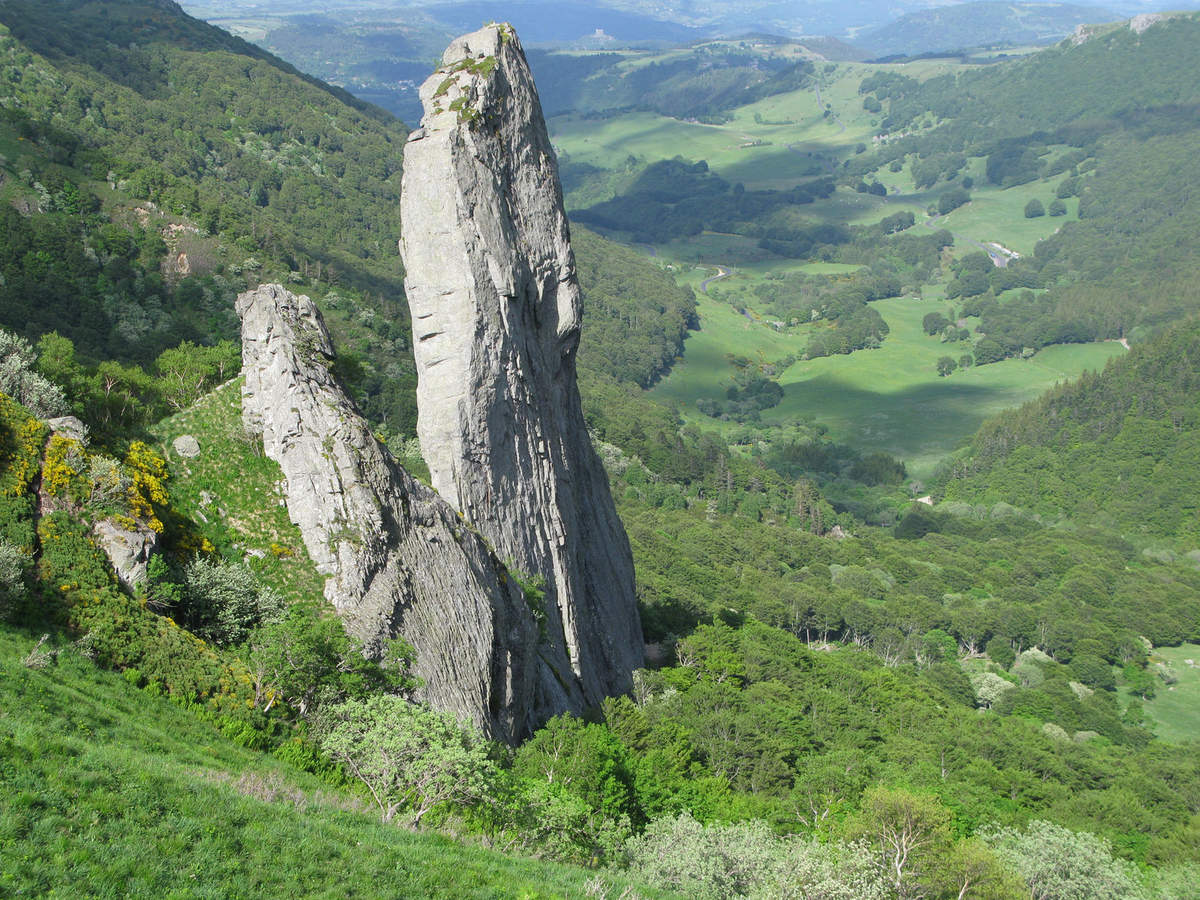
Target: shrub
x,y
406,755
1057,862
223,601
19,381
1034,209
704,862
14,563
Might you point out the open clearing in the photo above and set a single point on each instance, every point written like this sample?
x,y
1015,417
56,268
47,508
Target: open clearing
x,y
889,399
1175,709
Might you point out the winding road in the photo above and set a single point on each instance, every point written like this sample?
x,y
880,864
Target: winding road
x,y
998,258
722,272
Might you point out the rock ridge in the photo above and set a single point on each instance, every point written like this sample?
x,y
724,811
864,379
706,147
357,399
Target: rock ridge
x,y
399,559
491,284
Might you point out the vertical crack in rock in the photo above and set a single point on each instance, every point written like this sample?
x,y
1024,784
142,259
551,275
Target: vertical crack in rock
x,y
491,284
400,560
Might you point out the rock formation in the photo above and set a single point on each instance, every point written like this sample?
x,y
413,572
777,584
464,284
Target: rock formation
x,y
400,561
128,550
496,314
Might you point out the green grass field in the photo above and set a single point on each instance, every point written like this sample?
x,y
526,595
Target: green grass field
x,y
109,791
888,399
228,490
1175,709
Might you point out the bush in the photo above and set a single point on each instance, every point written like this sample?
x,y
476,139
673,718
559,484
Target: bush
x,y
19,381
705,862
407,756
1056,862
1034,209
14,563
1057,208
223,601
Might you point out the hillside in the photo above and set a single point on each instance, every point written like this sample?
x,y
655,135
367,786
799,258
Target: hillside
x,y
1113,449
831,658
111,789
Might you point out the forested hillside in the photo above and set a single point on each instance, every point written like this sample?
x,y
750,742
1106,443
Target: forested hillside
x,y
1115,449
1124,151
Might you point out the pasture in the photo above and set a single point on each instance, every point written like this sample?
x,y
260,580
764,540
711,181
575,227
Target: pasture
x,y
889,399
1174,713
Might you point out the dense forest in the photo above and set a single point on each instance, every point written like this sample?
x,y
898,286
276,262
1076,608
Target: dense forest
x,y
834,667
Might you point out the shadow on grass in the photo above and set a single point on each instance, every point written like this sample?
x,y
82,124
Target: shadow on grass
x,y
906,421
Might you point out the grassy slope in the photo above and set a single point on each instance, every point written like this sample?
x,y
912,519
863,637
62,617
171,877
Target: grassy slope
x,y
887,399
107,791
246,511
1175,709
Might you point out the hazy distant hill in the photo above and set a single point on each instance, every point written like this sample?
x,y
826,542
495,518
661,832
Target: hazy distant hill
x,y
984,23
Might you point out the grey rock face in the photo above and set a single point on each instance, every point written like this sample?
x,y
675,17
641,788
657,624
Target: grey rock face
x,y
496,314
128,550
400,561
69,427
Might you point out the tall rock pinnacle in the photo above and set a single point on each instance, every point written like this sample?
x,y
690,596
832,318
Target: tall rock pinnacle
x,y
496,314
400,561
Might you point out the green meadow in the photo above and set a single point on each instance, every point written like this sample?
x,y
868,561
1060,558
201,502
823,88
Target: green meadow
x,y
889,399
109,791
1175,709
230,492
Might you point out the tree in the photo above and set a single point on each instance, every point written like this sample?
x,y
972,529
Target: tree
x,y
408,756
707,862
1057,207
19,380
906,831
1034,209
187,371
946,365
988,351
14,563
934,322
585,759
952,200
307,660
224,601
1058,863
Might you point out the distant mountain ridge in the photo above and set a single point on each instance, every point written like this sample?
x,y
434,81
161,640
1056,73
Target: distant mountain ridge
x,y
983,23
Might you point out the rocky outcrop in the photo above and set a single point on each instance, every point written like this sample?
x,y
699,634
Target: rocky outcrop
x,y
128,550
400,561
496,314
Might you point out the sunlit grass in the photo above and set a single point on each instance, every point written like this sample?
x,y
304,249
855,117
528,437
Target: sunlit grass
x,y
111,792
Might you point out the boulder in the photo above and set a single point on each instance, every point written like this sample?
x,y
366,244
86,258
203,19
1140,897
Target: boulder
x,y
128,550
186,446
